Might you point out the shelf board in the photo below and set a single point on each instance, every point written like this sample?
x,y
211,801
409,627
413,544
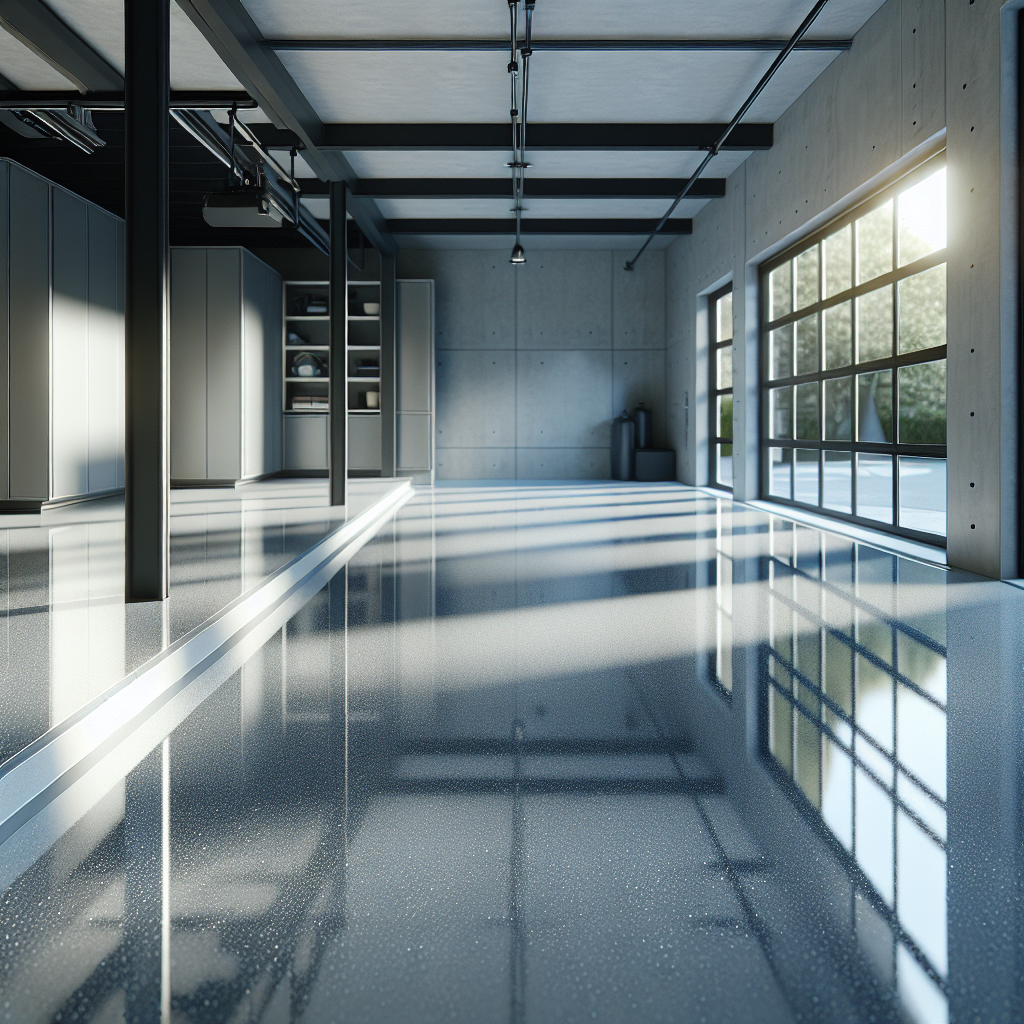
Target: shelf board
x,y
351,317
307,348
359,380
305,412
364,412
364,348
314,316
308,380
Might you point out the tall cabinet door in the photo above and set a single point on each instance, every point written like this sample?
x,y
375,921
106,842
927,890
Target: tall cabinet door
x,y
223,364
106,344
29,319
70,346
414,386
188,364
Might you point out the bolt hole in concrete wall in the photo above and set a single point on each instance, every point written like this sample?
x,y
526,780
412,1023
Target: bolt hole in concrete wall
x,y
534,362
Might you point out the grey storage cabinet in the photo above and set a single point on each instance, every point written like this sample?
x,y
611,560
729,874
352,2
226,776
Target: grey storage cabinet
x,y
61,344
225,367
414,361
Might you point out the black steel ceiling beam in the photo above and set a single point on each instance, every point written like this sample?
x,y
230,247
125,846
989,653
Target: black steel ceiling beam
x,y
32,22
558,45
181,99
535,188
239,43
647,136
536,226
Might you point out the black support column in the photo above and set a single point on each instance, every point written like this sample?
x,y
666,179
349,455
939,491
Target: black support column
x,y
338,370
147,265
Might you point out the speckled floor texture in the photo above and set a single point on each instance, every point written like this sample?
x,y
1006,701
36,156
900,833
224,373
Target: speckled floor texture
x,y
560,753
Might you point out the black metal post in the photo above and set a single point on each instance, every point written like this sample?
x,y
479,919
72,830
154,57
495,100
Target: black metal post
x,y
388,314
338,370
147,173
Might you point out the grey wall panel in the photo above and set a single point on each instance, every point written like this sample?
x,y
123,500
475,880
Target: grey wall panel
x,y
564,300
476,463
29,335
188,364
254,342
475,295
364,442
305,441
638,300
414,347
105,331
69,347
639,376
563,464
223,364
564,399
4,326
413,434
476,399
119,282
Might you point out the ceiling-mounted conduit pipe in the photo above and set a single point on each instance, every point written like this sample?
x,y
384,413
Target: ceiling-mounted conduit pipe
x,y
741,113
518,114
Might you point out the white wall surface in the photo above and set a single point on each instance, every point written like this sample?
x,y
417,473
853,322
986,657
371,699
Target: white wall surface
x,y
534,362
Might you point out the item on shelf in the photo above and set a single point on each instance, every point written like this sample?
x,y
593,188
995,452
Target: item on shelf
x,y
371,308
296,339
316,306
623,454
305,364
644,426
368,368
372,399
304,304
309,403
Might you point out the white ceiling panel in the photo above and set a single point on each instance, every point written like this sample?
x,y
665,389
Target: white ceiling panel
x,y
543,208
25,69
698,87
194,64
469,19
414,87
425,87
577,164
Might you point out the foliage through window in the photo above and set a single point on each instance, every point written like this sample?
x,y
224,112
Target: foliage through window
x,y
854,363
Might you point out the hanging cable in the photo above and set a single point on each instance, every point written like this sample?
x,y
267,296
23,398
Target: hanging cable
x,y
748,103
517,114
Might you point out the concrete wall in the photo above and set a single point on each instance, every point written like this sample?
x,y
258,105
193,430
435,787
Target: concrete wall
x,y
922,75
534,362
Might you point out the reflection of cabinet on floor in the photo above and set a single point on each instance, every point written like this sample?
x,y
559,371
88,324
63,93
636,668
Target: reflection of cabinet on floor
x,y
225,366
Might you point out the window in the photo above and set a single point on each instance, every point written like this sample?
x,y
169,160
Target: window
x,y
853,718
720,386
854,363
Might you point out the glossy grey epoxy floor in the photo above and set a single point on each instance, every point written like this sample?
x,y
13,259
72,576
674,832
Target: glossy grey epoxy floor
x,y
577,753
66,633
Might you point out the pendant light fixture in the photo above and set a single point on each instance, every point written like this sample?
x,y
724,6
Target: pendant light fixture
x,y
517,113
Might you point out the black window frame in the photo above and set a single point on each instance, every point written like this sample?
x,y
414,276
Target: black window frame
x,y
893,363
715,345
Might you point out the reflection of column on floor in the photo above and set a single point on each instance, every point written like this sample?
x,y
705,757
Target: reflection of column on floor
x,y
414,610
984,723
146,943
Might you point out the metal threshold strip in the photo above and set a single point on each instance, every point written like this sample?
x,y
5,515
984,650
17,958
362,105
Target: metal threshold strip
x,y
50,784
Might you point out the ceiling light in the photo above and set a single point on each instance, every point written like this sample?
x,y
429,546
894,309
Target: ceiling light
x,y
518,254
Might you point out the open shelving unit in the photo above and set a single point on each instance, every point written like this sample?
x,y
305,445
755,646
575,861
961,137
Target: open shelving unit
x,y
364,352
307,347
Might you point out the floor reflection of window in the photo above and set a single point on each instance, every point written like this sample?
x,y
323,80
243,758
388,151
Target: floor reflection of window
x,y
720,352
723,601
854,716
